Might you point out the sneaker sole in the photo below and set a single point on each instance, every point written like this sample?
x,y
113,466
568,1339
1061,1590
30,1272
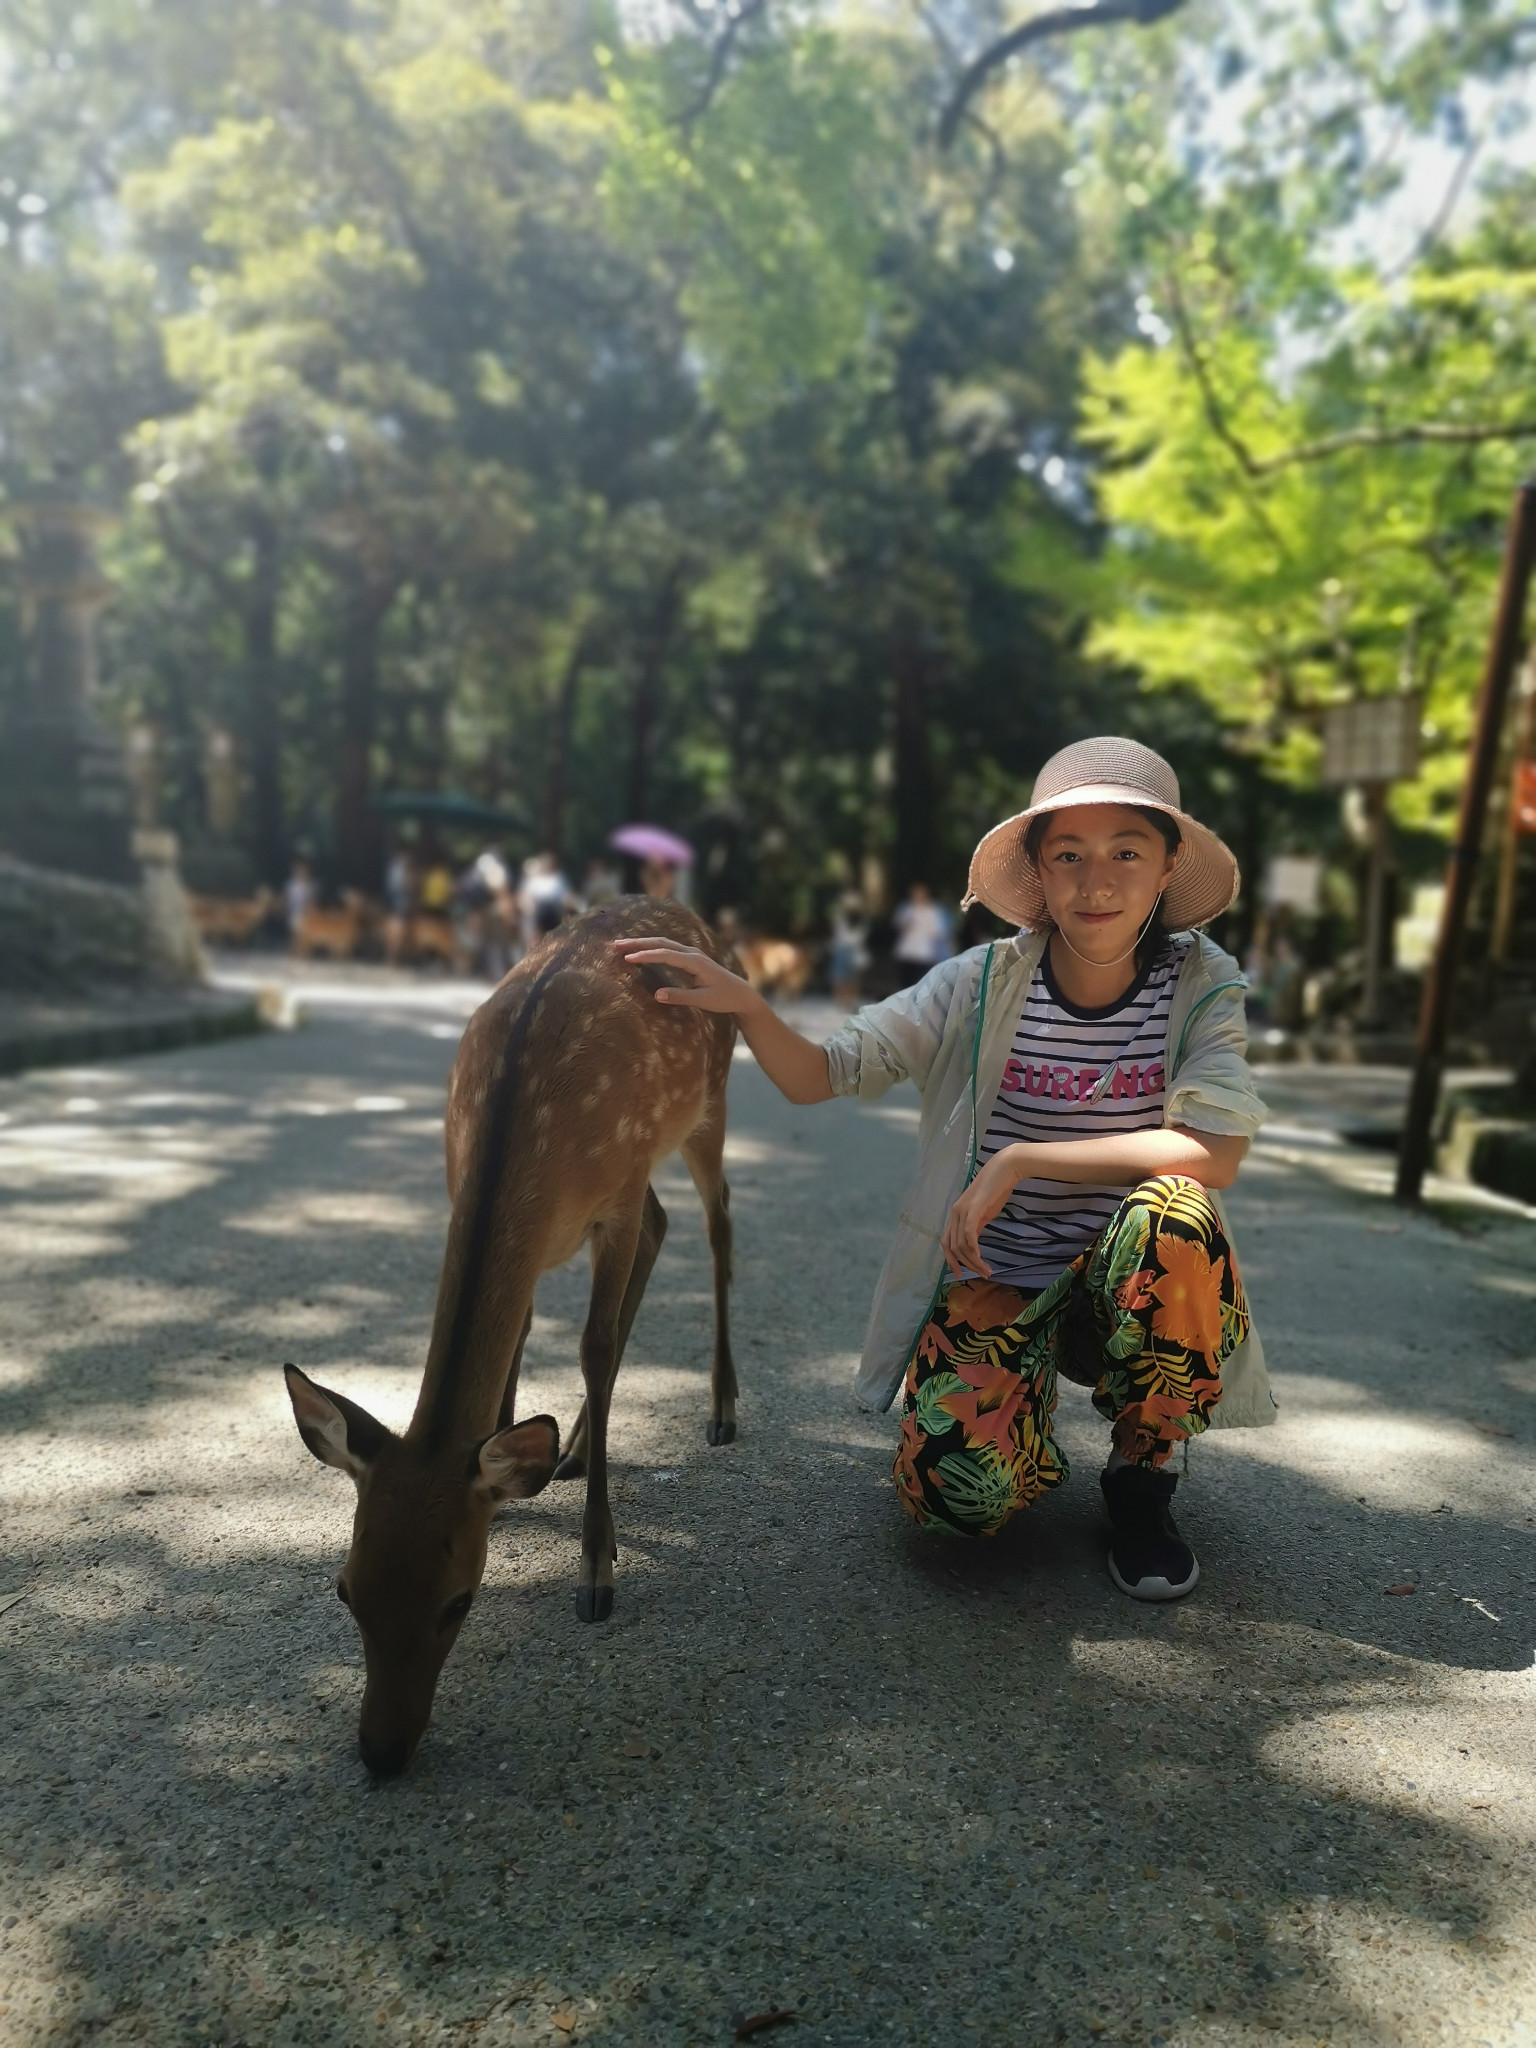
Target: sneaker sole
x,y
1155,1589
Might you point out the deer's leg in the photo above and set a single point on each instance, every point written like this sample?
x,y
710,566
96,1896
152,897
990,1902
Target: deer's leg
x,y
509,1392
653,1228
622,1257
573,1459
704,1156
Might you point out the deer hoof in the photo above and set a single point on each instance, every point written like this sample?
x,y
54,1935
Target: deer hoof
x,y
714,1433
594,1603
570,1467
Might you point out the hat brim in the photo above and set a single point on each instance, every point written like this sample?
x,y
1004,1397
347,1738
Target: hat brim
x,y
1006,880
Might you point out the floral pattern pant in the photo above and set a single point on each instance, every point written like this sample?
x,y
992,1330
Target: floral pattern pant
x,y
1145,1316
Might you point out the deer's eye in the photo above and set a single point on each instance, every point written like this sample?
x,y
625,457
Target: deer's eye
x,y
342,1594
455,1611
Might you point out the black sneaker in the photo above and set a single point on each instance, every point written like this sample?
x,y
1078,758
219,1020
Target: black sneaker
x,y
1148,1558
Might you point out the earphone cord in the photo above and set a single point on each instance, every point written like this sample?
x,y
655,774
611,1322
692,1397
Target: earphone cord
x,y
1119,956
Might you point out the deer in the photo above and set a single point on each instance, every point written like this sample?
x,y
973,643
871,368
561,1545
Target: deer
x,y
571,1083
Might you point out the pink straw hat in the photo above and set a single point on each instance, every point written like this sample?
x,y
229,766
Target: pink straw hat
x,y
1104,771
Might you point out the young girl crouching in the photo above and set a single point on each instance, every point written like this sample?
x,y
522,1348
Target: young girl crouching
x,y
1085,1097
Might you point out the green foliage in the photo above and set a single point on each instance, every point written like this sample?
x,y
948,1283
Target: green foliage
x,y
764,211
1279,537
611,426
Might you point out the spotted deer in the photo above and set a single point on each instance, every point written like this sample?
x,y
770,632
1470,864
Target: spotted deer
x,y
572,1082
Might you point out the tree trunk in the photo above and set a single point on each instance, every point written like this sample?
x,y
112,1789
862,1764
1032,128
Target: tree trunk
x,y
558,775
916,787
647,700
359,840
261,700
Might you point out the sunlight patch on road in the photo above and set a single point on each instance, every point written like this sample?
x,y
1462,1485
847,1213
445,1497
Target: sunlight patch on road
x,y
18,1372
903,1115
303,1215
182,1099
1470,1768
741,1151
54,1152
1506,1283
44,1240
1398,1462
1404,1977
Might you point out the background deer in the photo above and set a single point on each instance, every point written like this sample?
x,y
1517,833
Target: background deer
x,y
572,1082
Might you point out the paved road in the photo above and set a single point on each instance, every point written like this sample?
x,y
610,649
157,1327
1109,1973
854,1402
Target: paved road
x,y
915,1791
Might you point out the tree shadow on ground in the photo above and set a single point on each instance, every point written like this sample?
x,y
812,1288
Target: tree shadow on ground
x,y
918,1790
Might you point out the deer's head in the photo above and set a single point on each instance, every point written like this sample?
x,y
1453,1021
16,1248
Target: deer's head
x,y
418,1548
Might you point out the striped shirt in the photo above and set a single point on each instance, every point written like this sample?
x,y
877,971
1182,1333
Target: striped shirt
x,y
1074,1074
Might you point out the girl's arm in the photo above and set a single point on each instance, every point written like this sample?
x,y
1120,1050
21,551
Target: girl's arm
x,y
1116,1161
796,1066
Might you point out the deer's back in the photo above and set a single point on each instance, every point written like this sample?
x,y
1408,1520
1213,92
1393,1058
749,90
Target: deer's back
x,y
591,1080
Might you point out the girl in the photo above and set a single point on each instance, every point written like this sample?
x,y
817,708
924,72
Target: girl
x,y
1085,1095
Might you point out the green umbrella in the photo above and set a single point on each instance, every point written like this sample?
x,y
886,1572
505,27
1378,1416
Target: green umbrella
x,y
449,807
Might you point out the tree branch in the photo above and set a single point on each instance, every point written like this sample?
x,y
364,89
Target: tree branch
x,y
1443,433
719,58
1060,21
1215,412
1442,215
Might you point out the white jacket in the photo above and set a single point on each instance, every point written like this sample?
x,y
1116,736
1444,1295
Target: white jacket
x,y
952,1035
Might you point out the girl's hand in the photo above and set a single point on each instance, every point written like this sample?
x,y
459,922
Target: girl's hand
x,y
714,987
985,1198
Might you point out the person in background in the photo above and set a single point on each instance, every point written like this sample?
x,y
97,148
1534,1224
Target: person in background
x,y
400,883
603,883
848,955
541,898
489,913
436,892
924,933
298,897
658,878
399,902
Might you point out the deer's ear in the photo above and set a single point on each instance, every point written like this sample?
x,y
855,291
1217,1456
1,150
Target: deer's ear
x,y
335,1429
517,1462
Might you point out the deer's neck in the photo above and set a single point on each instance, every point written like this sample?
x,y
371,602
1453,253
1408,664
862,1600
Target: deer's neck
x,y
476,1336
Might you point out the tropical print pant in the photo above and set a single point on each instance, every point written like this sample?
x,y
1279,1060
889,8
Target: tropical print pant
x,y
1145,1316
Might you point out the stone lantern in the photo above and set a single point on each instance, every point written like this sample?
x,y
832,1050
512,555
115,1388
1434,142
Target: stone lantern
x,y
66,799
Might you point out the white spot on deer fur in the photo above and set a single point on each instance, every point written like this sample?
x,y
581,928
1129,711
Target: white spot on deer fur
x,y
589,1101
623,1127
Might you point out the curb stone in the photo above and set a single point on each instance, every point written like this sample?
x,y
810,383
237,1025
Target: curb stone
x,y
46,1035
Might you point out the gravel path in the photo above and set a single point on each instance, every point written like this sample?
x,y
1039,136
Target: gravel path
x,y
914,1791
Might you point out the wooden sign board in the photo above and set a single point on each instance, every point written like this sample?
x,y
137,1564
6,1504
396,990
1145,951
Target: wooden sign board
x,y
1294,881
1372,739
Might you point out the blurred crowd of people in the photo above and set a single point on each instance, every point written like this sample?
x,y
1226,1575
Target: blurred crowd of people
x,y
481,919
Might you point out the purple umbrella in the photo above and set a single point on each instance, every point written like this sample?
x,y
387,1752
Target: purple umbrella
x,y
649,842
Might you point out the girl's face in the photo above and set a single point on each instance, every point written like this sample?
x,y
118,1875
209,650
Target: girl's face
x,y
1102,868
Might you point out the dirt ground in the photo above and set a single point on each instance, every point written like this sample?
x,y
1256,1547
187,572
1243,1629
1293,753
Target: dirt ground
x,y
910,1790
